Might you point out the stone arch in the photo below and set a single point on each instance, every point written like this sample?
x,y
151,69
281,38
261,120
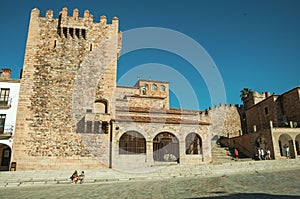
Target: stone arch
x,y
5,153
132,142
285,141
297,143
193,144
166,147
101,106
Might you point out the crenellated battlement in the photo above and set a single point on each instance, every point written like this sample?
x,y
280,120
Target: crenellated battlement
x,y
66,18
75,26
80,31
254,97
219,107
225,119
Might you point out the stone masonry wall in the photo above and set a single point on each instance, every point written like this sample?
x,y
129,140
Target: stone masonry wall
x,y
291,105
224,119
56,51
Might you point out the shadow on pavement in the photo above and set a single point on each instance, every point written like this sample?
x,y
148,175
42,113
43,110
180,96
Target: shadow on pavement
x,y
247,196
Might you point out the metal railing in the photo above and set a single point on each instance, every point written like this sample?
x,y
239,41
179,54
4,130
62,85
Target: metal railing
x,y
6,103
8,130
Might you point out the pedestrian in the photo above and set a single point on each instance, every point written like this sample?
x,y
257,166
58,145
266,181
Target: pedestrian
x,y
259,153
74,177
268,154
262,152
287,151
236,153
81,177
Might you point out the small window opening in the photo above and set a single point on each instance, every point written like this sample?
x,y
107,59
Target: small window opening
x,y
83,33
154,87
104,127
91,47
71,32
65,31
77,32
266,110
59,31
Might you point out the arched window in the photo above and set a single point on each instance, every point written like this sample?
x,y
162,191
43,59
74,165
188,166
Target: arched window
x,y
100,106
193,144
144,89
154,87
131,143
162,88
166,147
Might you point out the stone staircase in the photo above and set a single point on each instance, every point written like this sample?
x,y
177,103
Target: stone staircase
x,y
55,177
221,154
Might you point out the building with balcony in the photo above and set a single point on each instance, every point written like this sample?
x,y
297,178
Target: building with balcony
x,y
9,94
271,121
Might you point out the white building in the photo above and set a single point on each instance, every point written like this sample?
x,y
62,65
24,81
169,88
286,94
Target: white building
x,y
9,95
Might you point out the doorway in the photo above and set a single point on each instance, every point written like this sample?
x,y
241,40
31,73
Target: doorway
x,y
166,147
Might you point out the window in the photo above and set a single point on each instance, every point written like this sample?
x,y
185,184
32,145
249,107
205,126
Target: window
x,y
4,96
193,144
88,110
83,33
266,110
2,123
104,127
154,87
144,89
77,32
100,106
162,88
132,143
71,31
65,31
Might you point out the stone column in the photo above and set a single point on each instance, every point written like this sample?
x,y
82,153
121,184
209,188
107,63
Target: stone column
x,y
206,149
294,147
149,152
182,155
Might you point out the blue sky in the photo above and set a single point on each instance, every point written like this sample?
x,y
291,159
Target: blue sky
x,y
253,44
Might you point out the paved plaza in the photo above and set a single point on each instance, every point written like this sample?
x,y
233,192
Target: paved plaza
x,y
256,183
279,184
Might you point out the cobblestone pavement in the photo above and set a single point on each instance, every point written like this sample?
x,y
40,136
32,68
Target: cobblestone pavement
x,y
262,184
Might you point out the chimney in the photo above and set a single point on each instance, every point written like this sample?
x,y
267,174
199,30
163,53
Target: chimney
x,y
6,73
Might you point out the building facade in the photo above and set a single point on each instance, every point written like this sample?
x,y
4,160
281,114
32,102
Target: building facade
x,y
273,121
72,115
9,93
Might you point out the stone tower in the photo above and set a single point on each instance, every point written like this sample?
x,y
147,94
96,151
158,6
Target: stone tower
x,y
67,84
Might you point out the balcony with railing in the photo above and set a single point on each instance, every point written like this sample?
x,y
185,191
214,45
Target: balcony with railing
x,y
7,131
290,124
5,104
